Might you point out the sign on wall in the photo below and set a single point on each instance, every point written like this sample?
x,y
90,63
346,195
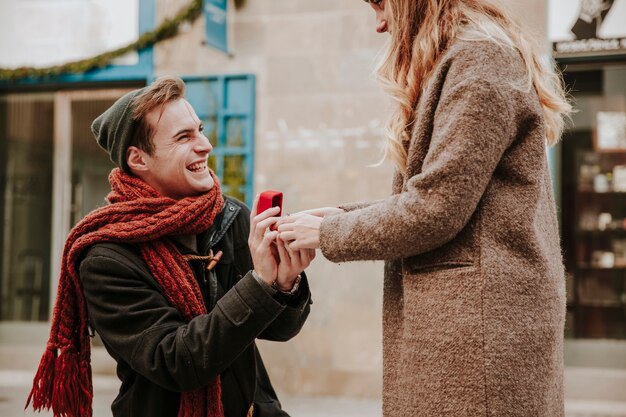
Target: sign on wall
x,y
43,33
586,28
215,18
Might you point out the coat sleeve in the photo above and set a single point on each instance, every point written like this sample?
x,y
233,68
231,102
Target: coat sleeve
x,y
139,326
473,126
289,323
296,308
358,205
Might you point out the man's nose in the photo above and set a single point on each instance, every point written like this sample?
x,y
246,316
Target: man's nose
x,y
203,144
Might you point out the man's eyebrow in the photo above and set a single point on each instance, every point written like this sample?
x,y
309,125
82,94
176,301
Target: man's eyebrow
x,y
180,132
186,130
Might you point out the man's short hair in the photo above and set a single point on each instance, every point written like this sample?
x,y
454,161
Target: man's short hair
x,y
162,91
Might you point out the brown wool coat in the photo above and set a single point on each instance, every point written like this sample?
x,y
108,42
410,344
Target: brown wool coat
x,y
474,290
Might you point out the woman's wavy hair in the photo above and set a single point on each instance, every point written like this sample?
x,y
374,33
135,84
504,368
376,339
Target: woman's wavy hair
x,y
422,30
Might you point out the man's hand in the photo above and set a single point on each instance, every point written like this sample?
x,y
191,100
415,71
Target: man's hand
x,y
291,264
260,242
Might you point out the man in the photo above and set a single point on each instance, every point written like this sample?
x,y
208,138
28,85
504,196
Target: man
x,y
174,276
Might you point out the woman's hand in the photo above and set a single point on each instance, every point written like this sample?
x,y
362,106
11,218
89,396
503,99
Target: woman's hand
x,y
300,231
260,242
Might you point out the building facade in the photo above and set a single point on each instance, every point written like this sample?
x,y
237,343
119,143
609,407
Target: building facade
x,y
292,105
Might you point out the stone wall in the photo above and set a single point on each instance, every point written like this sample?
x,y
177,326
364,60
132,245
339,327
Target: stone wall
x,y
318,131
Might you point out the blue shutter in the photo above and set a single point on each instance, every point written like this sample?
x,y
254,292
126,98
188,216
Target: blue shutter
x,y
226,106
216,24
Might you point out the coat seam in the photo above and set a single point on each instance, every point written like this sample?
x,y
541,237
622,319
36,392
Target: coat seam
x,y
143,336
482,304
190,358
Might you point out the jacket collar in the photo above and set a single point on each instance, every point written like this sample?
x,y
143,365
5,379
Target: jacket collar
x,y
201,243
222,222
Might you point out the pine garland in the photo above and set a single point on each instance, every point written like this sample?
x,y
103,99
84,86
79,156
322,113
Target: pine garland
x,y
168,29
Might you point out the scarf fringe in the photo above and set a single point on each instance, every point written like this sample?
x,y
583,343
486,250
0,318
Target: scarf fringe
x,y
62,384
72,394
43,383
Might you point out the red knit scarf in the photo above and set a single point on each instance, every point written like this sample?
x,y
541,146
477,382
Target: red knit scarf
x,y
137,214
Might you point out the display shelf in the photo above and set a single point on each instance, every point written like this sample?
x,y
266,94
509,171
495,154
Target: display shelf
x,y
602,304
601,233
600,268
594,234
585,190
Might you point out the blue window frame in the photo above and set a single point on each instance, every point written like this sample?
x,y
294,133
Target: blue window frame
x,y
226,106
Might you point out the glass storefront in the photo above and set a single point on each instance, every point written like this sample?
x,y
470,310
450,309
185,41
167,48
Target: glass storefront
x,y
52,174
593,194
26,141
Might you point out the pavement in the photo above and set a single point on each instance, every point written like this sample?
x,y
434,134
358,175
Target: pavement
x,y
14,386
16,374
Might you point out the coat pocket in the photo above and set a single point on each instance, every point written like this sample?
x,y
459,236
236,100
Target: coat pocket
x,y
439,266
461,252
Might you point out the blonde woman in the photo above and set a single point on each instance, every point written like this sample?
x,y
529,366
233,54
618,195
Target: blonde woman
x,y
474,290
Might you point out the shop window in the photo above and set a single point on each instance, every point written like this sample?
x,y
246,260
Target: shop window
x,y
26,164
52,173
226,106
594,204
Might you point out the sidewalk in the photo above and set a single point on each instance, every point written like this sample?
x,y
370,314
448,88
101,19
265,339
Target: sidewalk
x,y
14,386
17,370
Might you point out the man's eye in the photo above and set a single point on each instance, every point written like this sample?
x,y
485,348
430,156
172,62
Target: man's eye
x,y
201,128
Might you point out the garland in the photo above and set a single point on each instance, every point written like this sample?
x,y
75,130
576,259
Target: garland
x,y
168,29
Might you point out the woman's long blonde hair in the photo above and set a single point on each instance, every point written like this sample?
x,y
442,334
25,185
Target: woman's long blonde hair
x,y
422,30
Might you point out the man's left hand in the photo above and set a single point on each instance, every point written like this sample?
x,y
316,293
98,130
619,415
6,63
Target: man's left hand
x,y
291,263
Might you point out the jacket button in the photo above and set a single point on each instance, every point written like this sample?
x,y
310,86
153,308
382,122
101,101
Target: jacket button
x,y
231,208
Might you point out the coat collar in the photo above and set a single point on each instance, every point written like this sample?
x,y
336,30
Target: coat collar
x,y
222,222
200,244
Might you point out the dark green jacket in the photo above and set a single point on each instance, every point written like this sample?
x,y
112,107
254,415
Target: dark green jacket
x,y
159,355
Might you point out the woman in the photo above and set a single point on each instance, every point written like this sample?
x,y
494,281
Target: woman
x,y
474,291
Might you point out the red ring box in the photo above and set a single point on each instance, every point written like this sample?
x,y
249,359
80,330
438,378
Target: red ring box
x,y
269,199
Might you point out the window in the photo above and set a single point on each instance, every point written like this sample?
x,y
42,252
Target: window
x,y
26,164
594,203
226,106
52,173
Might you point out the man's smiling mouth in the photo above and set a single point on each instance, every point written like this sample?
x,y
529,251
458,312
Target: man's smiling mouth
x,y
197,167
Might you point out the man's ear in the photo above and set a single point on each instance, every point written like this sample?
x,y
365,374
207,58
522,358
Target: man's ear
x,y
136,159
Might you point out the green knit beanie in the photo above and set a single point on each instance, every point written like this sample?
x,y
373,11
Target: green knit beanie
x,y
114,129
